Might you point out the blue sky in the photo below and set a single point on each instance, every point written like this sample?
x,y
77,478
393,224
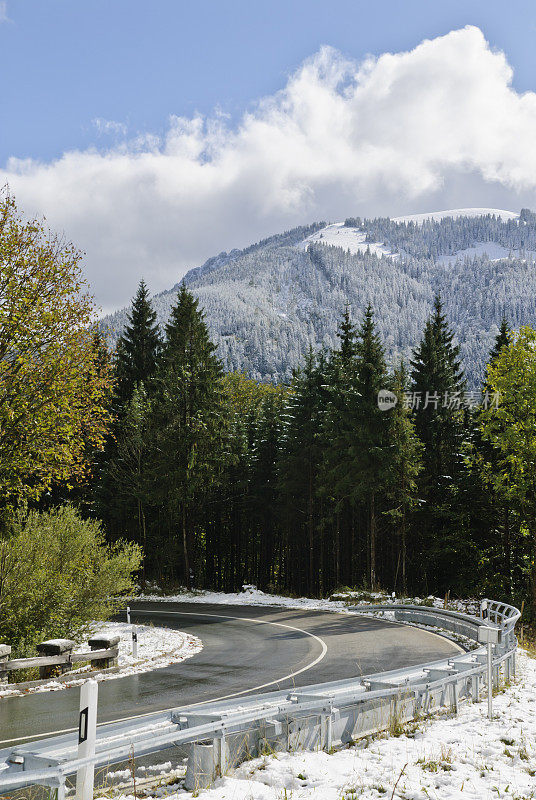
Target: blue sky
x,y
137,128
72,62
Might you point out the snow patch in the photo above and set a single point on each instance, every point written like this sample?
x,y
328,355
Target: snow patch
x,y
456,212
352,239
157,648
463,757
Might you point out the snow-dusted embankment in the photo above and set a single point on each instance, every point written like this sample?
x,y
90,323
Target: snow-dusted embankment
x,y
464,757
157,647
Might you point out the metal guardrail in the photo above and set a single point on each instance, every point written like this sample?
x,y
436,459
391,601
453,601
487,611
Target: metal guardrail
x,y
222,734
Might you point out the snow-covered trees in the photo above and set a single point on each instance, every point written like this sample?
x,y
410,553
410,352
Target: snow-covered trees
x,y
267,304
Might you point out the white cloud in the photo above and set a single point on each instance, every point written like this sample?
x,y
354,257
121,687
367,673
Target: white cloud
x,y
109,127
3,12
437,126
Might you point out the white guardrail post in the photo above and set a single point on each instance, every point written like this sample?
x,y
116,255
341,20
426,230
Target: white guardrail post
x,y
87,736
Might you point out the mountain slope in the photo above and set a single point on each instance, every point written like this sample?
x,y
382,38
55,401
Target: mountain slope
x,y
267,304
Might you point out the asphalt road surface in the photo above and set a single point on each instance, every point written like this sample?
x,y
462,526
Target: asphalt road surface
x,y
245,649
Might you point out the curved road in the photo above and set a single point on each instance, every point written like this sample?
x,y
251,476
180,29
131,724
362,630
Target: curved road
x,y
245,649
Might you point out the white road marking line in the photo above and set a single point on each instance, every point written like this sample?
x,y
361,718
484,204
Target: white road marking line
x,y
202,702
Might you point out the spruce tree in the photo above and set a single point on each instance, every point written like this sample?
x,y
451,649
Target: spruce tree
x,y
339,513
437,391
301,458
501,340
370,449
127,472
138,347
263,488
403,467
187,422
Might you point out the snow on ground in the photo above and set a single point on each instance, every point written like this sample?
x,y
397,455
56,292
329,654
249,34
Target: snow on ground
x,y
492,250
352,239
463,757
250,595
157,647
457,212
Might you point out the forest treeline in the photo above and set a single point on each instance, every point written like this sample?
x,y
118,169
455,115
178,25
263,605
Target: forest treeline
x,y
266,304
310,486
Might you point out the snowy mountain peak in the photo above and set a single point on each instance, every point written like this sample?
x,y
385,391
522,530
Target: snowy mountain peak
x,y
457,212
353,239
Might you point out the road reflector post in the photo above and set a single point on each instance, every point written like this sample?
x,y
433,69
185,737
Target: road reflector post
x,y
134,641
484,609
128,615
87,735
489,636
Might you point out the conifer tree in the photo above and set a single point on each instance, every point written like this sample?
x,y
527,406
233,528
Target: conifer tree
x,y
301,458
438,386
138,347
403,467
127,471
187,422
339,514
501,340
371,441
263,490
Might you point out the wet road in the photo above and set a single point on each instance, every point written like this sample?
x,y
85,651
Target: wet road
x,y
245,649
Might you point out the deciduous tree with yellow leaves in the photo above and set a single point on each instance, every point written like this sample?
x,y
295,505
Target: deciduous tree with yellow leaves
x,y
53,390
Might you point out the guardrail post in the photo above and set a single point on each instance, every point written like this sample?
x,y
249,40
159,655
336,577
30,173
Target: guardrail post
x,y
87,734
454,696
104,642
56,647
200,771
134,642
326,730
220,755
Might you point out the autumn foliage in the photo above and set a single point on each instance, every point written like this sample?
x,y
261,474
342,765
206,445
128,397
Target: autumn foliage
x,y
54,388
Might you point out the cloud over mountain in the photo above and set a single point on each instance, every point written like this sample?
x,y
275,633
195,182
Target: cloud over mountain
x,y
437,126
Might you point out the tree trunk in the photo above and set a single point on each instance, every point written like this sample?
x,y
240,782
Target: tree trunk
x,y
185,549
372,524
404,545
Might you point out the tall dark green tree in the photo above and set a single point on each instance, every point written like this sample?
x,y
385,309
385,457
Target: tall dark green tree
x,y
138,347
501,340
370,446
187,422
301,458
404,463
338,507
355,465
437,390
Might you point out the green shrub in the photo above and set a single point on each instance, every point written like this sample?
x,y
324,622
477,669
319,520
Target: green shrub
x,y
57,575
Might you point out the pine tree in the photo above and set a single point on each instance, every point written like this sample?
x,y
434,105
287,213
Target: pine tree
x,y
355,462
339,513
371,439
404,465
501,340
187,422
127,472
301,458
263,488
346,334
438,386
138,347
